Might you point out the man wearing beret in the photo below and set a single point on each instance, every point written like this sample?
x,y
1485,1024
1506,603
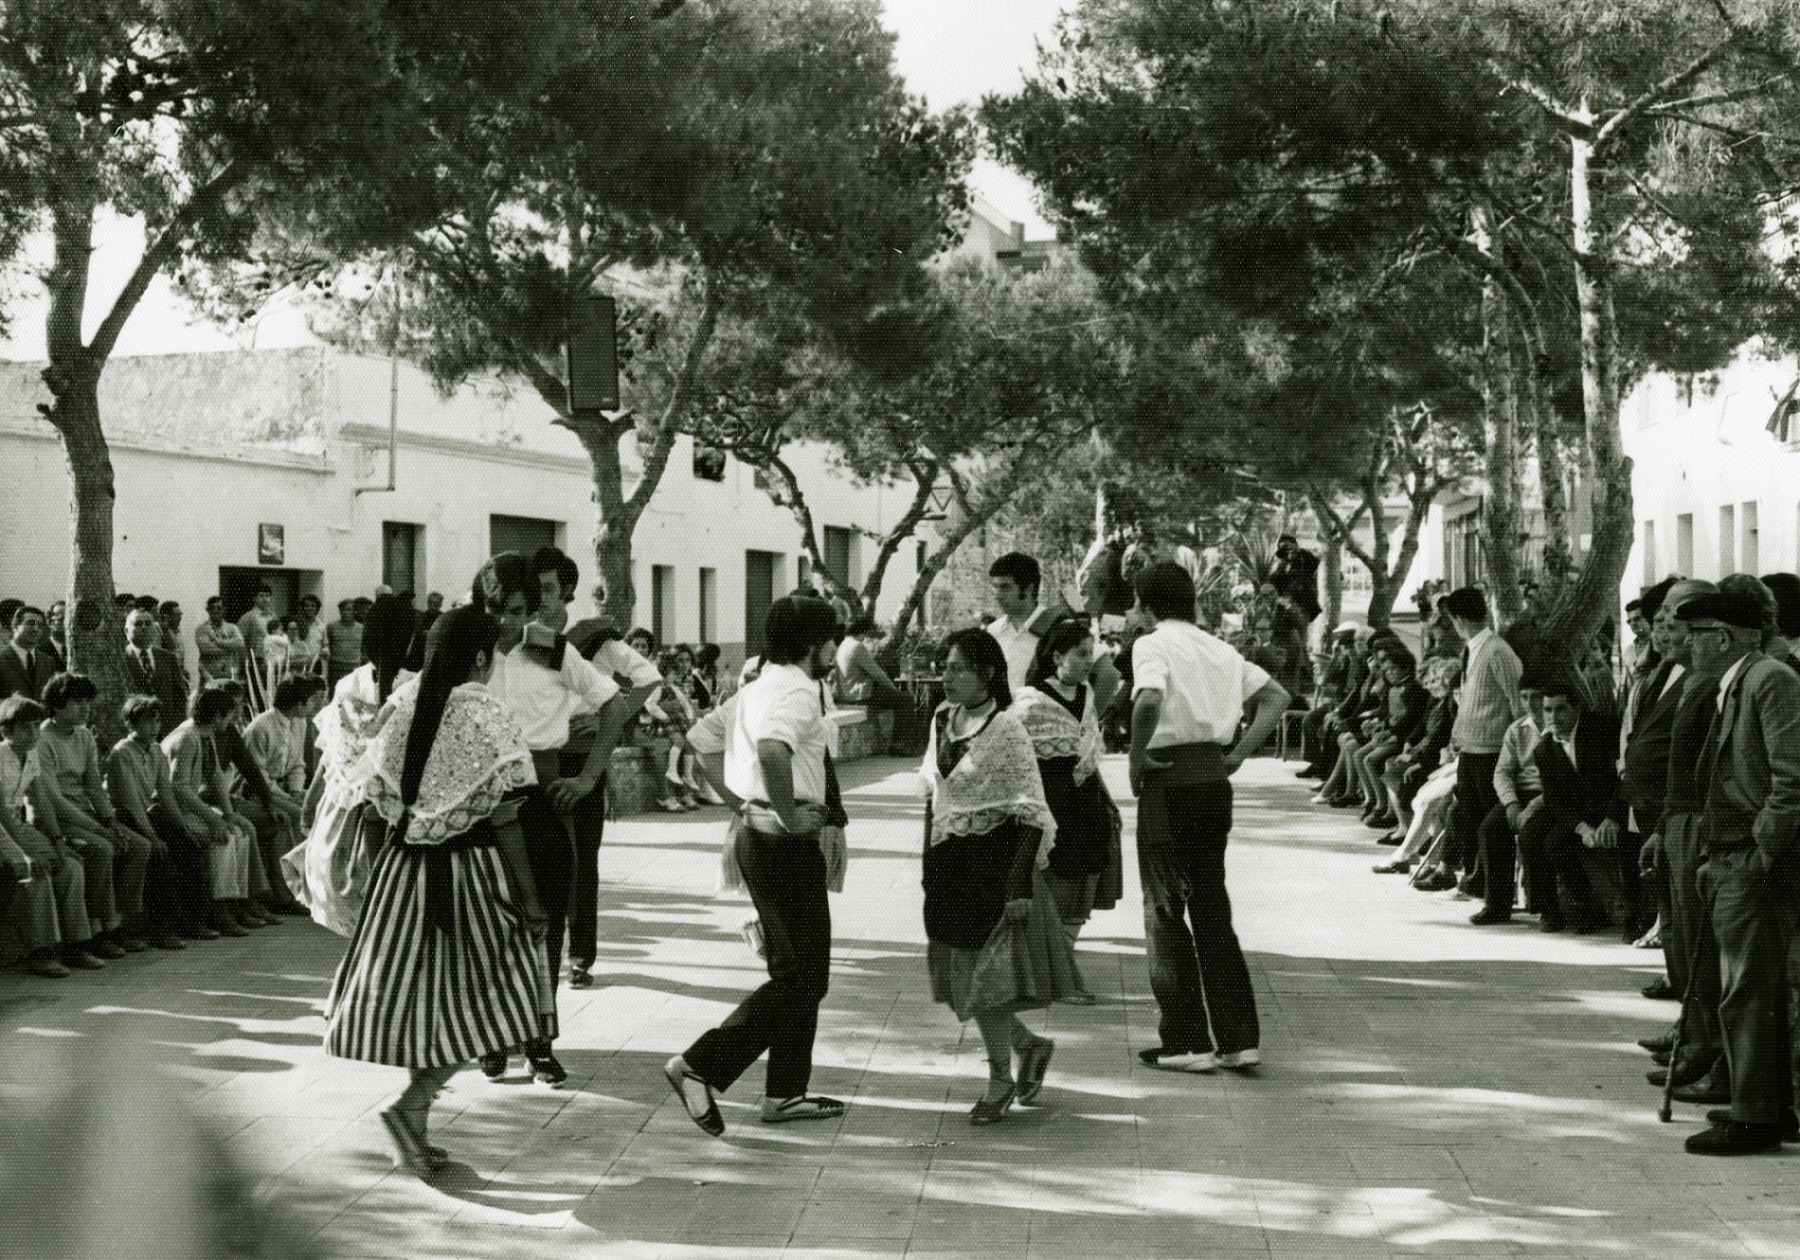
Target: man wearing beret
x,y
1750,822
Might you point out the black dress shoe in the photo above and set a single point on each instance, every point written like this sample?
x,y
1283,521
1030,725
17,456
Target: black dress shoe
x,y
1393,868
1551,922
1658,1045
696,1096
1660,989
1661,1057
1790,1128
1392,839
493,1066
1489,915
1734,1138
1691,1070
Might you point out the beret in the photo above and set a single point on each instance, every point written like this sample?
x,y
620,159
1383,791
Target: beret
x,y
1728,607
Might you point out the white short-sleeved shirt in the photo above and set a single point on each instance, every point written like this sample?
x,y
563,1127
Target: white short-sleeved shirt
x,y
618,659
543,699
782,705
1203,681
1018,644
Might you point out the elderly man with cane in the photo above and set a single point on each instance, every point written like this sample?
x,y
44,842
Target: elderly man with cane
x,y
1749,825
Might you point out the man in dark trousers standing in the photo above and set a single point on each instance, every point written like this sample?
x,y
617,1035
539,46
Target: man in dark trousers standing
x,y
1486,706
1750,822
1189,693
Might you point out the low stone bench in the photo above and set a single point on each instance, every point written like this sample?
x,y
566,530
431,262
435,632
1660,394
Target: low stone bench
x,y
862,734
634,777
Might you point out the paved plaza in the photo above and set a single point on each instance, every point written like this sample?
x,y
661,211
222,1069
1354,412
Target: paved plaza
x,y
1428,1088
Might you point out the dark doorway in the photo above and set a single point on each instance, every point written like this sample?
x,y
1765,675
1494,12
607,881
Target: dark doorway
x,y
238,587
759,593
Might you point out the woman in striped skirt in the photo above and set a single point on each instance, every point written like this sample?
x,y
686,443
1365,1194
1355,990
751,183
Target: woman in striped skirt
x,y
447,962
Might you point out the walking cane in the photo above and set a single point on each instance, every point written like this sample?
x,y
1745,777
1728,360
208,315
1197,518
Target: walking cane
x,y
1667,1111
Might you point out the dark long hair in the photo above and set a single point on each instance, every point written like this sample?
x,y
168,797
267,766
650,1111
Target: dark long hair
x,y
387,634
1063,634
455,640
983,653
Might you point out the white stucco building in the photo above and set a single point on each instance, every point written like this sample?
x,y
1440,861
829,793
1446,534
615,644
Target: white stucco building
x,y
244,467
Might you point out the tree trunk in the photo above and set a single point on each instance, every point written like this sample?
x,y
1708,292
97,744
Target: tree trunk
x,y
1500,425
1556,562
787,493
1383,585
1593,598
924,478
1333,564
970,520
616,519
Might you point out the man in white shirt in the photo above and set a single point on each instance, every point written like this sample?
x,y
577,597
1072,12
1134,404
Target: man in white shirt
x,y
558,575
1189,693
1015,581
775,750
547,685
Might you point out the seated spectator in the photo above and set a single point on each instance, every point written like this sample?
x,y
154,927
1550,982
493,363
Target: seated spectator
x,y
200,799
1346,724
1565,849
1517,788
245,780
72,804
56,631
220,645
1342,675
706,668
1426,839
670,712
1407,771
276,742
861,679
642,642
1401,722
177,900
52,937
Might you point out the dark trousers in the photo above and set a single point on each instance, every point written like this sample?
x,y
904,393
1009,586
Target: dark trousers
x,y
785,876
1475,799
552,858
1566,876
1197,969
588,821
177,892
1313,740
1498,847
1689,925
1753,919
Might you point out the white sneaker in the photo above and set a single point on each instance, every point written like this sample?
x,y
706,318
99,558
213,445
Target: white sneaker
x,y
1240,1058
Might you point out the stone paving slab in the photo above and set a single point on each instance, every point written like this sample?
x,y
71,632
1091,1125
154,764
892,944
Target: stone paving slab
x,y
1429,1088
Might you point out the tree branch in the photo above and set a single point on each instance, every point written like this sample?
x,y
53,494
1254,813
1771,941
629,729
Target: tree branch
x,y
1570,119
1659,91
160,253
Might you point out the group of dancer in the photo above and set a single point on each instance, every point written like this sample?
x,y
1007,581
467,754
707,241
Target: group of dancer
x,y
452,822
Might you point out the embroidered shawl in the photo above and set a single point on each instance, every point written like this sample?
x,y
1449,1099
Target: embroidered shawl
x,y
351,720
478,757
1055,733
996,779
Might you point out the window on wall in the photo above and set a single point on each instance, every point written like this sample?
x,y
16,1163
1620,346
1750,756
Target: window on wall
x,y
1650,575
1684,544
402,556
1749,538
709,605
662,603
1727,540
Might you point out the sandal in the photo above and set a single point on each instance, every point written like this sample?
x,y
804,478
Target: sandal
x,y
580,978
413,1151
677,1072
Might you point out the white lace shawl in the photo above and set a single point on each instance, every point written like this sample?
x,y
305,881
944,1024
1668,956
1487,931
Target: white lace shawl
x,y
478,757
996,779
352,718
1055,732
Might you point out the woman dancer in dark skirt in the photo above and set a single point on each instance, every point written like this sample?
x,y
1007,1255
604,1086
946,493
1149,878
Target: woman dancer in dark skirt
x,y
1057,710
995,943
447,962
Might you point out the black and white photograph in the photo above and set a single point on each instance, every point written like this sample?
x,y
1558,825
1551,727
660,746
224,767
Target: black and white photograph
x,y
899,629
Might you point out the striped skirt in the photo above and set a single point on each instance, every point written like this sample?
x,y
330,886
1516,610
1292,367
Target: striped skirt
x,y
410,995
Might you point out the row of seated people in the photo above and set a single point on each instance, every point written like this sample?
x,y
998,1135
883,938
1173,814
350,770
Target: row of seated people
x,y
1488,783
166,839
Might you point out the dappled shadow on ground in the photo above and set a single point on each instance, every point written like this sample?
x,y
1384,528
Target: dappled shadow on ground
x,y
1430,1089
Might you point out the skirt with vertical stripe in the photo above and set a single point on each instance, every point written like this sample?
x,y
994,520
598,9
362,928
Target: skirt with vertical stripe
x,y
410,995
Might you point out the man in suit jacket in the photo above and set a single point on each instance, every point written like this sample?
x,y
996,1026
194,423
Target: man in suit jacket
x,y
154,671
1751,822
25,665
1577,765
